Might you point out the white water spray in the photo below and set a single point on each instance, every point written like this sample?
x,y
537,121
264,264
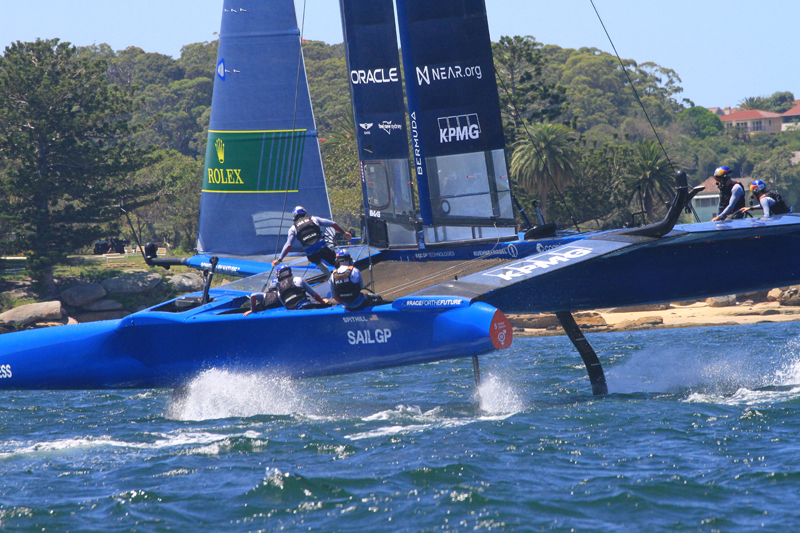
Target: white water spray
x,y
498,395
222,394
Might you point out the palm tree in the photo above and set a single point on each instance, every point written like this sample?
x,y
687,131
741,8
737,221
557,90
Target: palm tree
x,y
737,159
752,103
651,174
544,159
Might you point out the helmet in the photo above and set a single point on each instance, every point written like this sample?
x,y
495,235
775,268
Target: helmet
x,y
343,255
299,211
757,186
284,271
273,284
722,172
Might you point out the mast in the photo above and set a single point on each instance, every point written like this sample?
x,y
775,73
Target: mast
x,y
262,156
456,128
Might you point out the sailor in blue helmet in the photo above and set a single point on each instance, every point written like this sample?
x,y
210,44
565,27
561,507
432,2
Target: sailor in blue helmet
x,y
731,195
261,301
308,230
770,201
293,291
346,284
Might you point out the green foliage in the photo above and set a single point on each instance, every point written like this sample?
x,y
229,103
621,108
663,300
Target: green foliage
x,y
544,159
63,134
599,193
524,93
173,217
779,102
651,176
700,122
598,90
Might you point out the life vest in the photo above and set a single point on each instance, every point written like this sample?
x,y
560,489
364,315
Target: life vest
x,y
290,294
308,231
779,207
271,300
725,194
346,289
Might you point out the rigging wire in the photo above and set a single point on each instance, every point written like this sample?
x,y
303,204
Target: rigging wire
x,y
539,154
635,92
290,167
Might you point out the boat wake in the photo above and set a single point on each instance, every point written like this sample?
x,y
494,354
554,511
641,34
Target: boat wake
x,y
216,394
730,378
497,397
190,441
405,420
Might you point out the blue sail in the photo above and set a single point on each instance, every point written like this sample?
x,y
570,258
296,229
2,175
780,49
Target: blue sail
x,y
456,128
262,156
376,86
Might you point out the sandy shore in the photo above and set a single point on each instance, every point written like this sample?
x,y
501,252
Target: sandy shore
x,y
676,316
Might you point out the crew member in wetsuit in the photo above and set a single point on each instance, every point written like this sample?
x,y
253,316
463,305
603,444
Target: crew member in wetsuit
x,y
770,201
293,291
261,301
346,284
731,195
308,230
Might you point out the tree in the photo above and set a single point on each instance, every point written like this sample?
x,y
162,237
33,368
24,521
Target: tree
x,y
340,157
598,194
524,93
779,102
62,131
544,159
700,122
651,175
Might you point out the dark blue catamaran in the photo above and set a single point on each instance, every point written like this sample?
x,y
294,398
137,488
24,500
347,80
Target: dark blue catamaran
x,y
448,263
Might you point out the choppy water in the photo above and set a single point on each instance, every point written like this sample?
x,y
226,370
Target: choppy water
x,y
700,433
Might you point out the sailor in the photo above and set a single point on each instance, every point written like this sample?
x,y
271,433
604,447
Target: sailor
x,y
308,230
731,195
262,301
346,284
770,201
293,291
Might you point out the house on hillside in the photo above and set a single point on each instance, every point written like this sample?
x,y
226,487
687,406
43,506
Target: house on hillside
x,y
723,111
791,119
754,121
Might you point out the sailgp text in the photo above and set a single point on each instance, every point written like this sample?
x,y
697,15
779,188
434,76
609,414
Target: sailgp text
x,y
366,336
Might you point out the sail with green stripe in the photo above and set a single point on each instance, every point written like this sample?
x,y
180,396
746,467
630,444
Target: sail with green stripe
x,y
262,157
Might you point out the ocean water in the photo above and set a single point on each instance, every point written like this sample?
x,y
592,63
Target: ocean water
x,y
701,432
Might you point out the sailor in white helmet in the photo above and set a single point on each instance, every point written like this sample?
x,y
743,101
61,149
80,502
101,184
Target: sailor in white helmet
x,y
308,230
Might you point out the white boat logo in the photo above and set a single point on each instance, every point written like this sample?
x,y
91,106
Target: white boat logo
x,y
366,126
541,261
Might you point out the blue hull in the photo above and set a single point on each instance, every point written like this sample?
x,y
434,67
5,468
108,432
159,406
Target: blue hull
x,y
154,349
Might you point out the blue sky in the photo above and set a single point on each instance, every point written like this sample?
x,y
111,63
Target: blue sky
x,y
724,51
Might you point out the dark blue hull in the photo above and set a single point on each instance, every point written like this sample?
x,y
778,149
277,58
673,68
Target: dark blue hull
x,y
694,261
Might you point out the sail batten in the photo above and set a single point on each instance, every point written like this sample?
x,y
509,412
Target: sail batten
x,y
262,154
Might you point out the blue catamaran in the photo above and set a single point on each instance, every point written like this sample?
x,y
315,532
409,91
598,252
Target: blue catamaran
x,y
450,263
